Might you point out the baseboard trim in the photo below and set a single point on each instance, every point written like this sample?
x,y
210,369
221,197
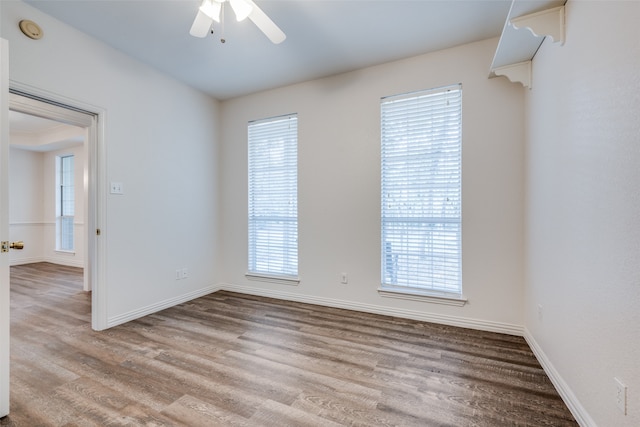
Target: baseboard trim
x,y
462,322
62,260
23,261
565,392
154,308
69,262
52,260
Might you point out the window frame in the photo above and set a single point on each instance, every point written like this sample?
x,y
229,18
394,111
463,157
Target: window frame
x,y
421,113
278,214
65,202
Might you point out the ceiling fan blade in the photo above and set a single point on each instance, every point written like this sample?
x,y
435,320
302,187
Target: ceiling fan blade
x,y
201,25
266,25
241,8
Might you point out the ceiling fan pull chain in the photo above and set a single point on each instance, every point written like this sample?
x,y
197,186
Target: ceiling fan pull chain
x,y
222,39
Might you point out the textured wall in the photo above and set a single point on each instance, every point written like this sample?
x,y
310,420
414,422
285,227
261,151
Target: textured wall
x,y
583,201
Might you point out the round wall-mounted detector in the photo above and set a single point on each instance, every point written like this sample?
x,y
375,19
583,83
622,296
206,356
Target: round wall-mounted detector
x,y
30,29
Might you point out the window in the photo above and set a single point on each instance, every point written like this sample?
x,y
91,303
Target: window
x,y
421,192
273,197
65,202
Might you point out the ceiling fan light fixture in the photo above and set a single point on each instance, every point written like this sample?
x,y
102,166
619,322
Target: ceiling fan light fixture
x,y
212,10
241,8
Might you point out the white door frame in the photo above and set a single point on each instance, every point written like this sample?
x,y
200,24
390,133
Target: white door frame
x,y
35,101
4,227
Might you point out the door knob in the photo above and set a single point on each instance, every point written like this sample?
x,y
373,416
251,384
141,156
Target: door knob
x,y
17,245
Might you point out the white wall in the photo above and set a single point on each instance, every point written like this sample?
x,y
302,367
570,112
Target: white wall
x,y
583,202
161,143
32,218
339,186
26,205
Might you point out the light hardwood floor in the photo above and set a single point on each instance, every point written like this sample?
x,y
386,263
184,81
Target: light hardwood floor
x,y
234,360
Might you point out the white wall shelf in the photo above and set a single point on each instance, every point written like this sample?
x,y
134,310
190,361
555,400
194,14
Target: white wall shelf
x,y
549,22
516,73
528,23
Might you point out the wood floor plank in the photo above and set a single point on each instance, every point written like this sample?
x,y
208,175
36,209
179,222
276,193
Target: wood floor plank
x,y
202,414
274,414
227,359
153,392
240,379
332,407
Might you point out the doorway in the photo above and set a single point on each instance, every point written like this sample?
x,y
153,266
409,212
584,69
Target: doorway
x,y
89,120
48,191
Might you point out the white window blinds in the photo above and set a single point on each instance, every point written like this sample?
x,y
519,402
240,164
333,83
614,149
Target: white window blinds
x,y
273,196
65,202
421,190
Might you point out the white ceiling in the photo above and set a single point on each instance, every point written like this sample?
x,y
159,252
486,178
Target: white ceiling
x,y
26,123
32,133
324,37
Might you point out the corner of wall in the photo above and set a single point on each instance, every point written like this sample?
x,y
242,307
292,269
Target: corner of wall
x,y
567,395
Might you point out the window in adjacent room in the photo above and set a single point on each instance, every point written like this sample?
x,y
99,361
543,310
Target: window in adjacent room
x,y
273,198
65,202
421,192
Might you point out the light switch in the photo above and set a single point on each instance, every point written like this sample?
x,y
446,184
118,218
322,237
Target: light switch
x,y
116,188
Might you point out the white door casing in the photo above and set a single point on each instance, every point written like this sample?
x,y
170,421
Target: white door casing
x,y
4,227
30,100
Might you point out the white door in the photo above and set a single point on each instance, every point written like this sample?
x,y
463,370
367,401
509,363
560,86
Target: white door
x,y
4,227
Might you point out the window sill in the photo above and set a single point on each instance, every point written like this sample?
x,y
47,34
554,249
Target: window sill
x,y
445,298
283,280
60,251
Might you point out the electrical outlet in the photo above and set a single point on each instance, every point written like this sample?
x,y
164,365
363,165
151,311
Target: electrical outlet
x,y
621,396
184,273
117,188
539,312
344,279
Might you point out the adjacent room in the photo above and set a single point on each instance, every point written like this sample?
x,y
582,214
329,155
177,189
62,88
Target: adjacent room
x,y
374,212
47,190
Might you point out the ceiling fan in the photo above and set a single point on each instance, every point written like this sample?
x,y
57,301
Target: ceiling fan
x,y
210,11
